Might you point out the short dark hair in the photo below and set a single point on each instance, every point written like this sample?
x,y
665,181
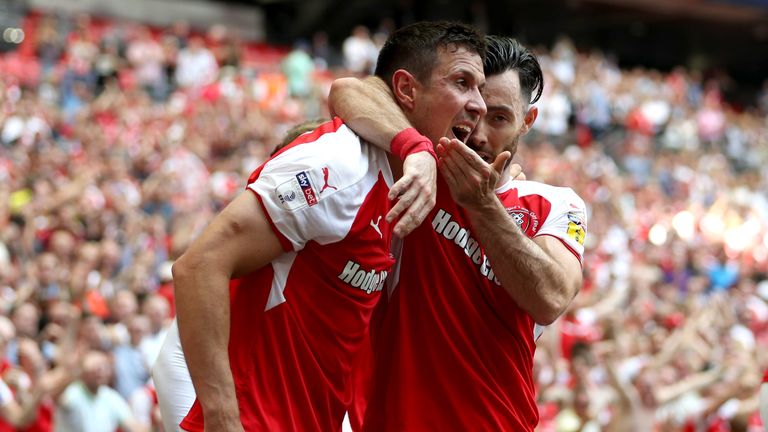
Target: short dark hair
x,y
414,47
506,53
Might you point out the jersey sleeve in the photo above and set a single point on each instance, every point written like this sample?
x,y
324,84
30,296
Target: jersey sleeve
x,y
568,222
312,191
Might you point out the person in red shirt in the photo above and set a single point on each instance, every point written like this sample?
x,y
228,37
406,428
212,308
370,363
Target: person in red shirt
x,y
453,345
310,246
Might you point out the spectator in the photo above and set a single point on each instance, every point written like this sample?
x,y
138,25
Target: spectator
x,y
131,368
298,67
360,52
147,56
90,405
324,54
156,309
195,65
26,320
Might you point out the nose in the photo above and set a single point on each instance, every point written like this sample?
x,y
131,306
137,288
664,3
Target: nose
x,y
476,104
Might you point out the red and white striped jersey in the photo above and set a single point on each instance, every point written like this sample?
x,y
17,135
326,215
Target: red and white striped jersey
x,y
452,349
297,324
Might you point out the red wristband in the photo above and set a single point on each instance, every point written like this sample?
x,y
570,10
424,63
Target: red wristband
x,y
409,141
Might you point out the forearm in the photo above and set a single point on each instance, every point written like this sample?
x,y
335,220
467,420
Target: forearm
x,y
668,351
534,279
57,380
691,383
623,392
367,106
203,315
21,414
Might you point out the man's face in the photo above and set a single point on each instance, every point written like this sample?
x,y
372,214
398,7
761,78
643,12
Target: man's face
x,y
450,104
96,370
507,118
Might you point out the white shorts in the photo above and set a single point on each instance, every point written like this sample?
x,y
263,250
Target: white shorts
x,y
175,392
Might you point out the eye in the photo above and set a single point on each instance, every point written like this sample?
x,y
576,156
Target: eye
x,y
461,82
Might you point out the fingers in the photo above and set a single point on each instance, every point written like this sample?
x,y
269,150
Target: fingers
x,y
404,201
457,162
516,172
450,167
413,217
399,188
415,193
500,161
415,211
468,167
441,149
473,160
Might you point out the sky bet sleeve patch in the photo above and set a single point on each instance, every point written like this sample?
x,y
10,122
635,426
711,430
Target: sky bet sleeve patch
x,y
297,192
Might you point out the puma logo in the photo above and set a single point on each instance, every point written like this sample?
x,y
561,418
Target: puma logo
x,y
326,173
376,226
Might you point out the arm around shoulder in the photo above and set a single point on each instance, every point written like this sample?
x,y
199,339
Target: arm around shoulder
x,y
368,107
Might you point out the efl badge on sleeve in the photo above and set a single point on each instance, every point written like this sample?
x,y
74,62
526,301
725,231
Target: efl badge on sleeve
x,y
576,227
290,195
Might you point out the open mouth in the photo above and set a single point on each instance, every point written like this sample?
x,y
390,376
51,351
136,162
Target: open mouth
x,y
461,132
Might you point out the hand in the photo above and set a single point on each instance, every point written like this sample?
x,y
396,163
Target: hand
x,y
516,172
471,180
415,193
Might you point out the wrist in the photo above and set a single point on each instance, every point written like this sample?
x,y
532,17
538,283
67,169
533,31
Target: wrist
x,y
410,141
221,412
221,420
221,406
485,207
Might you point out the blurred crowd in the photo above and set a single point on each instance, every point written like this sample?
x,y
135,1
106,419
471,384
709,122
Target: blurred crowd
x,y
667,332
119,142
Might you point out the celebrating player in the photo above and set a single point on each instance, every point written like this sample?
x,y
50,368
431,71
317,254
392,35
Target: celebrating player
x,y
311,247
454,347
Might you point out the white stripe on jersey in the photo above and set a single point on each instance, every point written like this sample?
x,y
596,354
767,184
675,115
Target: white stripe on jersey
x,y
394,276
281,267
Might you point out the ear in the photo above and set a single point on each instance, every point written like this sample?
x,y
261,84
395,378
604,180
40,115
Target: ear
x,y
404,88
530,118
